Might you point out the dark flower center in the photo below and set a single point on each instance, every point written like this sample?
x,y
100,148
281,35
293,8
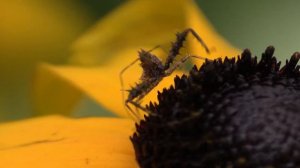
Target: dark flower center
x,y
227,114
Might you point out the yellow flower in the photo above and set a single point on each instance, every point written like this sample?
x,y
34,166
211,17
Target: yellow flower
x,y
61,142
104,50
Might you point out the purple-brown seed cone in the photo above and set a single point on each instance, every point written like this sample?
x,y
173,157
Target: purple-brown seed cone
x,y
233,113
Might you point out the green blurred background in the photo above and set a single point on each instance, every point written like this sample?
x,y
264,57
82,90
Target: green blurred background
x,y
35,31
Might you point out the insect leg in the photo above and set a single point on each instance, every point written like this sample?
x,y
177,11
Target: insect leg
x,y
132,112
199,39
179,63
123,70
138,105
178,44
122,83
137,101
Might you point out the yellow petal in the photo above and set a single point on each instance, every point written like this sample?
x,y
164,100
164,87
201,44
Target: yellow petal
x,y
119,36
102,84
134,24
51,93
59,142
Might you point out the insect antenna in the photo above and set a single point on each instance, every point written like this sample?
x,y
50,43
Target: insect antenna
x,y
154,48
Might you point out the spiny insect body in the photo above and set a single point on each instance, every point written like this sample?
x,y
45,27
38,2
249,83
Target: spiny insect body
x,y
154,70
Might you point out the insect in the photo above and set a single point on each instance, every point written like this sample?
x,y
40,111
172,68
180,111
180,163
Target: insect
x,y
154,70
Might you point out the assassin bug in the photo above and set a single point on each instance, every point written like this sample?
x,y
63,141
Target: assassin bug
x,y
154,70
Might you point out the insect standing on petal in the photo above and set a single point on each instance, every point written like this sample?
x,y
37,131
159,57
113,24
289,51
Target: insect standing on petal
x,y
154,70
